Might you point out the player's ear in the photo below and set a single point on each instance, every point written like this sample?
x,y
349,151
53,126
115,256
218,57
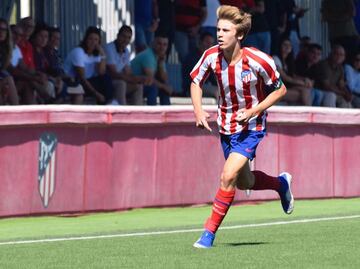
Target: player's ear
x,y
240,37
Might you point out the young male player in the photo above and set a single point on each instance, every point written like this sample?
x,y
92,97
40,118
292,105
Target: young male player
x,y
248,84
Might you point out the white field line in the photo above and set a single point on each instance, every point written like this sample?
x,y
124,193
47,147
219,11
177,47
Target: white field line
x,y
175,231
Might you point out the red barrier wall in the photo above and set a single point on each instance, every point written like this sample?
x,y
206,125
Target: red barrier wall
x,y
111,158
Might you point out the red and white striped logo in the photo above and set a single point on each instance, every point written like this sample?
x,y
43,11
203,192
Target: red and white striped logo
x,y
47,165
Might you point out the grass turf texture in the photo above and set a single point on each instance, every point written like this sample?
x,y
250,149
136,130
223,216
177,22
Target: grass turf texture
x,y
325,244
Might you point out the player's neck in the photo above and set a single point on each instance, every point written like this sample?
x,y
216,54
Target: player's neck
x,y
233,55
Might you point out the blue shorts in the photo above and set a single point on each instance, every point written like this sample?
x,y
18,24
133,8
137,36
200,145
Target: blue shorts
x,y
244,143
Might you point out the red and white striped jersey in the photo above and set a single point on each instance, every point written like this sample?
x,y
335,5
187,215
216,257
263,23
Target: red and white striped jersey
x,y
241,85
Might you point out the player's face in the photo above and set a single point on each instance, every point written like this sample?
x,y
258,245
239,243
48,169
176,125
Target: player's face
x,y
226,34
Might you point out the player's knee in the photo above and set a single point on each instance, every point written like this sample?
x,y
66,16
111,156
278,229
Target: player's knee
x,y
227,178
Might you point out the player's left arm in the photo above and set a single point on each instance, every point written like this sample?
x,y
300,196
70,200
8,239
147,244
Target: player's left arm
x,y
244,115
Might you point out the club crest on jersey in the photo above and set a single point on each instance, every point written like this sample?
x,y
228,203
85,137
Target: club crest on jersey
x,y
47,163
246,76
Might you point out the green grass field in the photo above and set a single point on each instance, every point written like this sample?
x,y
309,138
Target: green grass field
x,y
319,234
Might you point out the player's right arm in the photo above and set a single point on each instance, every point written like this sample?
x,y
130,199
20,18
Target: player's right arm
x,y
201,116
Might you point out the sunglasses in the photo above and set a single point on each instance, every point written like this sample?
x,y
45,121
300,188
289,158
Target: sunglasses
x,y
3,29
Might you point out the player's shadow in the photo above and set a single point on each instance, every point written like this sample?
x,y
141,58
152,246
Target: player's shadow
x,y
243,244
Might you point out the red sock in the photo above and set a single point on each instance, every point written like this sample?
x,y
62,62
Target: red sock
x,y
222,202
265,182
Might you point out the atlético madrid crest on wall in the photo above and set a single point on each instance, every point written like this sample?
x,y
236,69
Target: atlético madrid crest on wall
x,y
47,166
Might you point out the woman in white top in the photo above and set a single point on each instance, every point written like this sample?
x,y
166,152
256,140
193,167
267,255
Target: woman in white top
x,y
352,74
86,63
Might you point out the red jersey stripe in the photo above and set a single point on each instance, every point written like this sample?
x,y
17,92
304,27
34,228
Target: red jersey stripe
x,y
233,96
269,70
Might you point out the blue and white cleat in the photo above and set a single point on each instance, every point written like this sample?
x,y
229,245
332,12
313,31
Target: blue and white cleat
x,y
206,240
286,196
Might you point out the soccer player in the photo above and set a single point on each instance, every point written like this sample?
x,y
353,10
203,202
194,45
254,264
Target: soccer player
x,y
249,84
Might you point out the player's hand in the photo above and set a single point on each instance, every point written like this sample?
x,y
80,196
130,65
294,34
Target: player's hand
x,y
201,120
244,115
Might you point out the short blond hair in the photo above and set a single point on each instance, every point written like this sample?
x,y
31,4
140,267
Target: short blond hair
x,y
241,19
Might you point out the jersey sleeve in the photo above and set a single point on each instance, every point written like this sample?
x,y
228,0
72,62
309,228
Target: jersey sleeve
x,y
201,70
270,75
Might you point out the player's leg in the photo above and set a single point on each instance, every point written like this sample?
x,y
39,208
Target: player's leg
x,y
223,199
258,180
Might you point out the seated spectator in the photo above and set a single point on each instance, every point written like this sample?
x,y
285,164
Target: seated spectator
x,y
29,79
71,89
86,63
299,89
352,75
328,75
126,85
312,55
210,86
8,92
305,41
151,63
39,40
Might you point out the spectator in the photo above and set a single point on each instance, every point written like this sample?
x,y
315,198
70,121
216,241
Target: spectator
x,y
303,65
293,15
276,17
86,63
39,40
339,17
304,47
259,36
328,75
210,86
190,15
167,21
33,80
146,23
151,63
8,92
299,89
126,85
71,89
210,23
352,75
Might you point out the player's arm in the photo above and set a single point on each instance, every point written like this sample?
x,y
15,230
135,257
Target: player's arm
x,y
201,116
244,115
